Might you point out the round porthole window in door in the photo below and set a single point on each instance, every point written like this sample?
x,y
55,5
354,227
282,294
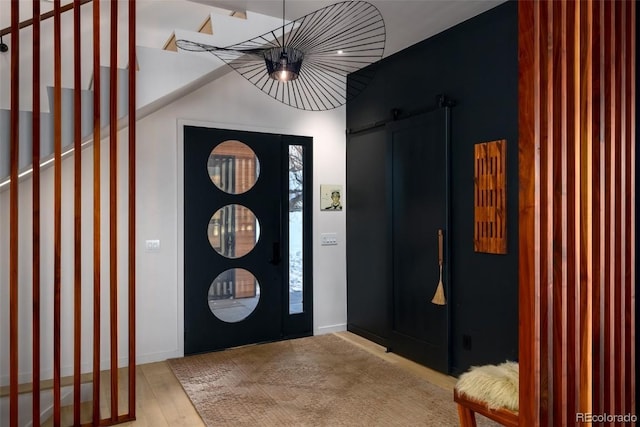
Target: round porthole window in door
x,y
233,295
233,167
233,231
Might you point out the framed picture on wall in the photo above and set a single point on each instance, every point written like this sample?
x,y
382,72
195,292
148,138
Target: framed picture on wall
x,y
331,197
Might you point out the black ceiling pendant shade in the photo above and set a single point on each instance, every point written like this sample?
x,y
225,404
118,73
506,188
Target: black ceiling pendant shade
x,y
304,63
283,63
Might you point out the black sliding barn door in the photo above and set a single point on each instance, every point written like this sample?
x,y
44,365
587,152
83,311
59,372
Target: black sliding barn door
x,y
418,146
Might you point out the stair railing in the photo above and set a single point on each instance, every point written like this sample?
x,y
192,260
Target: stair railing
x,y
42,17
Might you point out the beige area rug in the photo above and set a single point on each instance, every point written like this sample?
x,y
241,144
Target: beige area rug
x,y
315,381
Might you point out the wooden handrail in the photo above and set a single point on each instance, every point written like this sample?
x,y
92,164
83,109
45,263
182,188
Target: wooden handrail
x,y
44,16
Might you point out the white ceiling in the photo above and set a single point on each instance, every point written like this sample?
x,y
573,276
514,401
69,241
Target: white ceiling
x,y
407,21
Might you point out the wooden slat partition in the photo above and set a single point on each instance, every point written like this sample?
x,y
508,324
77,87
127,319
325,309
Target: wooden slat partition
x,y
54,241
584,209
35,160
97,194
630,207
57,210
113,207
607,103
132,207
14,218
599,336
77,209
577,195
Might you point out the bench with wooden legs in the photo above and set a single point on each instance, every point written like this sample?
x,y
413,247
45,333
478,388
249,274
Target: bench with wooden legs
x,y
489,390
468,408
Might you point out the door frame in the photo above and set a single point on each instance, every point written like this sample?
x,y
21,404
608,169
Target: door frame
x,y
308,246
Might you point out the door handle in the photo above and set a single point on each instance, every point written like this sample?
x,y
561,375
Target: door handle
x,y
275,255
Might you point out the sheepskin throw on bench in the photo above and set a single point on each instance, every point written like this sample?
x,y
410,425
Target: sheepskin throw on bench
x,y
495,385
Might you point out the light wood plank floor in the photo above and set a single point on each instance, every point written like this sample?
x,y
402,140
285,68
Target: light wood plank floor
x,y
162,401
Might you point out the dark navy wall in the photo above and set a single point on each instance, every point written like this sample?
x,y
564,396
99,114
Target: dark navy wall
x,y
475,64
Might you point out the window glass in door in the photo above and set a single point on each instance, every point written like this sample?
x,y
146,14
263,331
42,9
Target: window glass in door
x,y
296,229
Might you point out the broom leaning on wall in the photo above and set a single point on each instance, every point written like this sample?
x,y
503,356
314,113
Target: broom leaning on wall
x,y
439,298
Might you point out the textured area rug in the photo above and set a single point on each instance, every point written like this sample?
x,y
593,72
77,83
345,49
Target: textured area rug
x,y
315,381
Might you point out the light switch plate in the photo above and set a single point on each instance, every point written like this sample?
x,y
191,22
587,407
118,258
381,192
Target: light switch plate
x,y
329,239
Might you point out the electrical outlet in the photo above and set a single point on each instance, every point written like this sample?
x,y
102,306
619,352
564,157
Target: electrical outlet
x,y
152,245
466,342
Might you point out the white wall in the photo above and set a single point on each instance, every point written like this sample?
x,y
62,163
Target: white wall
x,y
233,103
229,102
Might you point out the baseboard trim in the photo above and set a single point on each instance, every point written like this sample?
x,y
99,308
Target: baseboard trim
x,y
329,329
158,357
368,335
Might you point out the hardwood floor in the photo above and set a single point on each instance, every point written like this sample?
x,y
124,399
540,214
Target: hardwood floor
x,y
161,401
434,377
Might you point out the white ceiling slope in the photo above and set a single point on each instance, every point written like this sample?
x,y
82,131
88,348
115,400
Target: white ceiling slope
x,y
407,21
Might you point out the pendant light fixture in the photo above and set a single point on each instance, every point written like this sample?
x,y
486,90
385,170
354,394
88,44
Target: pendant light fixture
x,y
305,63
283,63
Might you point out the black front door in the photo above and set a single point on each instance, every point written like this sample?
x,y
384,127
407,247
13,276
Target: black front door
x,y
235,244
418,146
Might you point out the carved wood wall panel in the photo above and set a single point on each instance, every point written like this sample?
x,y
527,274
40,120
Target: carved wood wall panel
x,y
490,197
